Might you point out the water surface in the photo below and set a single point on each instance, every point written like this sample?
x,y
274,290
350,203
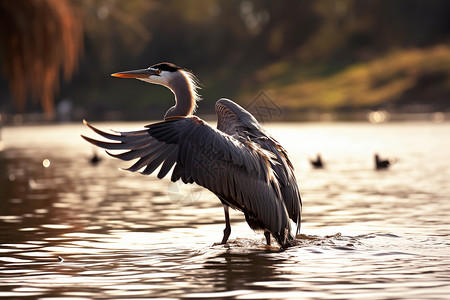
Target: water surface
x,y
77,231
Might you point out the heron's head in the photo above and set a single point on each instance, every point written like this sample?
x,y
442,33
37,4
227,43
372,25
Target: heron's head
x,y
175,78
162,73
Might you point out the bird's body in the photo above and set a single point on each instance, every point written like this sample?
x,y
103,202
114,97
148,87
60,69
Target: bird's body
x,y
381,164
95,159
238,161
317,163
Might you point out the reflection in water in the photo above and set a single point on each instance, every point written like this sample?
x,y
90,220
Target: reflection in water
x,y
71,229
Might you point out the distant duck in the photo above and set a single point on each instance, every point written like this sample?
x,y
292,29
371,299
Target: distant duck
x,y
381,164
317,164
95,159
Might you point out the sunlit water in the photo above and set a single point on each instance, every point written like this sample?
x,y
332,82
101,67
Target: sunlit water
x,y
77,231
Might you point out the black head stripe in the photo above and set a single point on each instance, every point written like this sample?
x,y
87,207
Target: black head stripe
x,y
166,67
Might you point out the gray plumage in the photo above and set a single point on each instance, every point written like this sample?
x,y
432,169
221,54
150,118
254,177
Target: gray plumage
x,y
239,161
233,119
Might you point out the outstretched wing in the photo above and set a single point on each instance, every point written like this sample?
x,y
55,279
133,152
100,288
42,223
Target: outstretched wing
x,y
235,120
238,171
140,145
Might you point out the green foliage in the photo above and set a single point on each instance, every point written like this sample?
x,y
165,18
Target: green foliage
x,y
402,77
320,53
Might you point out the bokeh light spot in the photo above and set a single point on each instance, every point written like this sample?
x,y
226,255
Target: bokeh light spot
x,y
46,163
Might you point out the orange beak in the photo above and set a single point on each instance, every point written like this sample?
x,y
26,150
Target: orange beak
x,y
142,73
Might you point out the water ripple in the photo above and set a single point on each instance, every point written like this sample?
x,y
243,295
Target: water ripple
x,y
73,231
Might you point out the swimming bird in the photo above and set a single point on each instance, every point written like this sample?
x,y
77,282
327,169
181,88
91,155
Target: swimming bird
x,y
239,161
94,159
317,164
381,163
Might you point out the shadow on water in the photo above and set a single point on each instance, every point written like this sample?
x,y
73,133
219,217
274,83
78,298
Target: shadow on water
x,y
73,230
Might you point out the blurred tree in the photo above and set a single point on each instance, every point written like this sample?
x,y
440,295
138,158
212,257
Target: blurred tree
x,y
38,38
236,47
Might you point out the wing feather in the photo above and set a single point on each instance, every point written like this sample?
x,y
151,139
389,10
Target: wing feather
x,y
168,163
121,136
149,152
144,161
143,150
286,179
235,120
189,163
158,159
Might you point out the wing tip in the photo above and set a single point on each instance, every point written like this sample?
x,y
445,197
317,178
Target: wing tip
x,y
111,154
88,139
88,125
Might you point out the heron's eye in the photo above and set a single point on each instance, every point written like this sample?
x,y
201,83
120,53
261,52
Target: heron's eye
x,y
158,71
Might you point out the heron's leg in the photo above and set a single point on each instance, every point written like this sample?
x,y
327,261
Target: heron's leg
x,y
227,230
267,235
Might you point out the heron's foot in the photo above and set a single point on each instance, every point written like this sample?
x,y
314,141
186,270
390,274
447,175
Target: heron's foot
x,y
226,234
228,246
267,235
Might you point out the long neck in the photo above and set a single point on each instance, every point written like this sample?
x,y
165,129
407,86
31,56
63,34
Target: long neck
x,y
184,97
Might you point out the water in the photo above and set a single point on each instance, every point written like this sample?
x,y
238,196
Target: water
x,y
75,231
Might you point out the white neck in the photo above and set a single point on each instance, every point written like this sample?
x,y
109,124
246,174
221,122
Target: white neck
x,y
183,86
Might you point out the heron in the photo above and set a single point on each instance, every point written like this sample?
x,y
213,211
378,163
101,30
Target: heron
x,y
239,161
